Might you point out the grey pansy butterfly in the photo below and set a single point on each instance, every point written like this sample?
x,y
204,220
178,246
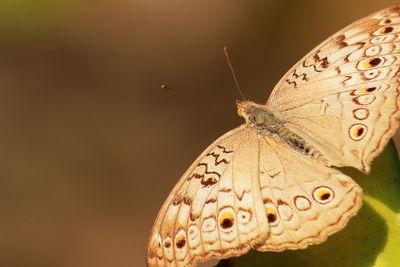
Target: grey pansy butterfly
x,y
268,184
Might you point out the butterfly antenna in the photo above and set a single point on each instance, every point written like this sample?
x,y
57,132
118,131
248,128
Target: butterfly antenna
x,y
233,72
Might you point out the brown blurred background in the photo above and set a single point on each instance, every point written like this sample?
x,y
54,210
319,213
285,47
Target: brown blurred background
x,y
90,143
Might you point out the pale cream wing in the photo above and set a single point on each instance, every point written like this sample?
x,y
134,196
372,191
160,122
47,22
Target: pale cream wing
x,y
305,201
344,96
216,209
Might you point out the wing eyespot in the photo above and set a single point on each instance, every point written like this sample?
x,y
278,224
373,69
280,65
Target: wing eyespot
x,y
364,99
363,91
371,63
181,243
209,224
302,203
358,131
226,220
285,210
167,243
272,215
244,216
373,51
387,30
360,113
323,194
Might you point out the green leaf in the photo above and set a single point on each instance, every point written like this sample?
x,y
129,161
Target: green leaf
x,y
372,237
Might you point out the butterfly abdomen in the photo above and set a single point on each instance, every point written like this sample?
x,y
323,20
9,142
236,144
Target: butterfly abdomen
x,y
299,144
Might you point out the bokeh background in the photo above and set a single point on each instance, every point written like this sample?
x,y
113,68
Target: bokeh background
x,y
90,145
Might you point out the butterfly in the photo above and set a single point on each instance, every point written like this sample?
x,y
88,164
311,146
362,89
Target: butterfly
x,y
269,184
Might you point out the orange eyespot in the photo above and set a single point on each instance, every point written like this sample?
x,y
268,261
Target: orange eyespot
x,y
323,194
365,90
181,243
370,63
386,30
357,131
271,214
226,220
180,239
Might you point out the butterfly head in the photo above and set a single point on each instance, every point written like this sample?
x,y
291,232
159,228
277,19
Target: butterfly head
x,y
243,108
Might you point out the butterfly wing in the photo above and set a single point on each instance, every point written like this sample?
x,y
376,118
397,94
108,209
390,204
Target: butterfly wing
x,y
216,209
305,201
344,96
248,190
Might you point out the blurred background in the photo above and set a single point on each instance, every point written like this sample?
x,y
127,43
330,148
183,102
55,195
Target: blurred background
x,y
91,145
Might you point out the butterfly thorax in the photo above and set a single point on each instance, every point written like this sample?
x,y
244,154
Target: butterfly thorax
x,y
266,121
261,117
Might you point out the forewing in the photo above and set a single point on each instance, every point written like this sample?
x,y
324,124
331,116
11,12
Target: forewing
x,y
344,96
